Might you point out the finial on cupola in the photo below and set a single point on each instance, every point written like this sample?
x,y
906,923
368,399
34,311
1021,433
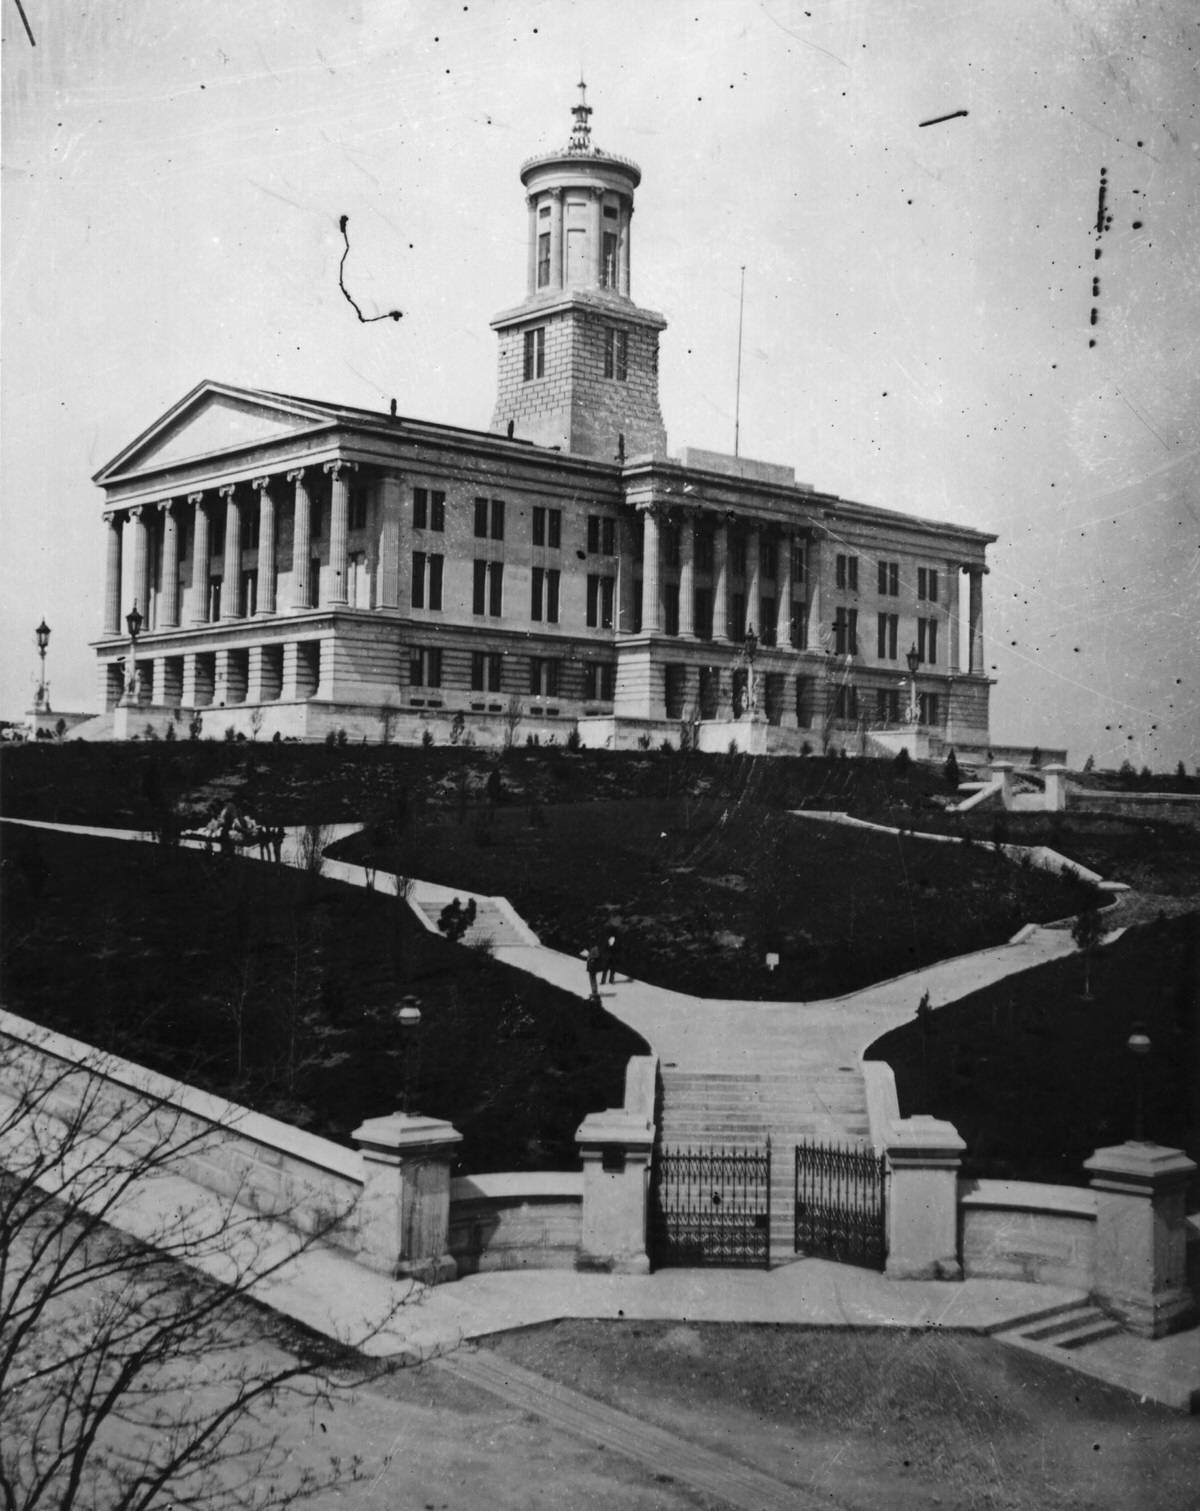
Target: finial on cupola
x,y
581,132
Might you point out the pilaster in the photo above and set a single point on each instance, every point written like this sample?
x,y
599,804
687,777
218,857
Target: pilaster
x,y
924,1154
404,1223
390,520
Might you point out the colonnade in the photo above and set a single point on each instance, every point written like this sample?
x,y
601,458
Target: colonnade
x,y
163,524
595,272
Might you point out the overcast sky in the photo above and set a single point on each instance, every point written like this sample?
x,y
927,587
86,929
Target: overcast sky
x,y
918,329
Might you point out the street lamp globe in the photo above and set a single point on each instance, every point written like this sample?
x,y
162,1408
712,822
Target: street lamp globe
x,y
43,636
133,621
1138,1044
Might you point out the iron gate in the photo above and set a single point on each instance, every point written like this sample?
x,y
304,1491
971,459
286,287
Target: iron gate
x,y
840,1197
711,1207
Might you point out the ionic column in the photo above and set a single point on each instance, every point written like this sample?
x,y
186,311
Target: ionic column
x,y
626,224
975,620
815,564
783,601
687,577
112,575
201,550
954,654
141,562
266,547
753,580
231,586
391,503
170,567
651,608
721,581
339,515
533,244
556,238
301,540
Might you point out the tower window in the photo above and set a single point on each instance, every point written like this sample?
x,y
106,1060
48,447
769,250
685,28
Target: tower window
x,y
543,259
616,356
608,270
535,353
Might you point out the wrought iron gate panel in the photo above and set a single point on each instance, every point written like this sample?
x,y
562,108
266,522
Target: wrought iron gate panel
x,y
840,1196
711,1207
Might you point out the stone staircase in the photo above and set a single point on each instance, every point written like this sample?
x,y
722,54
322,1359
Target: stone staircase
x,y
1059,1328
491,922
786,1103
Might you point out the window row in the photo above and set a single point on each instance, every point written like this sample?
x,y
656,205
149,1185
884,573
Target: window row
x,y
543,674
848,706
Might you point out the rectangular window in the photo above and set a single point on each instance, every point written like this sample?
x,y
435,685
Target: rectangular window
x,y
737,554
927,638
599,680
543,677
249,594
593,534
539,525
799,564
846,705
477,671
437,511
608,273
425,667
601,535
495,671
767,621
217,533
889,579
314,582
702,613
887,628
481,518
600,593
420,508
214,598
799,624
737,617
670,603
486,671
846,572
357,512
554,529
418,579
927,584
497,519
251,528
768,559
552,579
495,589
845,632
705,550
927,708
543,259
887,705
671,542
535,353
616,356
537,588
479,595
316,523
436,564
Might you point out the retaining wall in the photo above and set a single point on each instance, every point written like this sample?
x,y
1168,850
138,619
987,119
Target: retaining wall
x,y
1023,1230
516,1222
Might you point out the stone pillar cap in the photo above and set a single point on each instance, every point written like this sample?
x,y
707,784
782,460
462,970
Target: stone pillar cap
x,y
923,1135
400,1131
1140,1164
615,1126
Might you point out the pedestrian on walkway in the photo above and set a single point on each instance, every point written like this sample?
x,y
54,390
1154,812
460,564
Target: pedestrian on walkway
x,y
608,960
591,958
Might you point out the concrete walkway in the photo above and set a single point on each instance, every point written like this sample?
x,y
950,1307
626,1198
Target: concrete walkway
x,y
337,1297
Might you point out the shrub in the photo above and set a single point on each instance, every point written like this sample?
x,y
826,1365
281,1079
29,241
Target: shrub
x,y
573,740
951,772
150,732
230,733
666,747
170,734
341,736
195,727
457,725
427,739
643,741
902,764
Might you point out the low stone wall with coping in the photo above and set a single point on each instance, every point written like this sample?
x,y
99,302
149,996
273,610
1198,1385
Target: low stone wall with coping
x,y
262,1164
1024,1230
516,1221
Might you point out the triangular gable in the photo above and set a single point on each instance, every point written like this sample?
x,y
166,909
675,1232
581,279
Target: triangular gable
x,y
211,420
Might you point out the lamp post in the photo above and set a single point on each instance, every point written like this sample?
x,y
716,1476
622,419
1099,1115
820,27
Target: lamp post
x,y
133,623
1139,1046
42,635
410,1024
914,660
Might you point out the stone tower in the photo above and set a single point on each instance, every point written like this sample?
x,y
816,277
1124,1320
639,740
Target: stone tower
x,y
578,359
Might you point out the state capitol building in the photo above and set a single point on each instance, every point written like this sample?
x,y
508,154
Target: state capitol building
x,y
301,567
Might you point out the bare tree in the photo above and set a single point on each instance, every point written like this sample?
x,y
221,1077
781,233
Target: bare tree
x,y
314,841
125,1380
1087,932
514,712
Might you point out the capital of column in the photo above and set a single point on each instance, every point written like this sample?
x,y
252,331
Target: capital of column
x,y
195,499
260,484
165,505
338,466
115,520
227,490
137,512
297,474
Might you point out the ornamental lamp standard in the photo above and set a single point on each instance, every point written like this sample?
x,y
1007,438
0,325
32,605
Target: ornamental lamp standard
x,y
410,1024
914,660
42,636
1139,1046
133,622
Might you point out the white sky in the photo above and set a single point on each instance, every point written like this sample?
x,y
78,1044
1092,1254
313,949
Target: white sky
x,y
917,298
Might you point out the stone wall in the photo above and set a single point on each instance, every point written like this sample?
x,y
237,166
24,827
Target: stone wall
x,y
1023,1230
516,1222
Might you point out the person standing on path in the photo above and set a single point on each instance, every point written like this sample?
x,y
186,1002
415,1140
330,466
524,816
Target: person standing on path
x,y
608,960
591,958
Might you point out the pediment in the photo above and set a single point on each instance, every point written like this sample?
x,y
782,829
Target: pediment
x,y
212,422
